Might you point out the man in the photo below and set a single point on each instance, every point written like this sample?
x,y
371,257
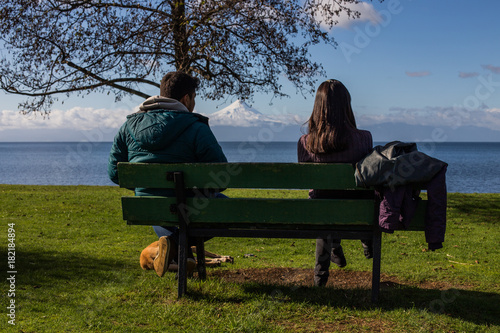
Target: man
x,y
165,130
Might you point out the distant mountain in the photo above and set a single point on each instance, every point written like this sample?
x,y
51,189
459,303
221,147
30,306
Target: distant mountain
x,y
240,122
240,114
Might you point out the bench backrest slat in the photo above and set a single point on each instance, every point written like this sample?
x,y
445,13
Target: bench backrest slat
x,y
240,175
156,210
150,210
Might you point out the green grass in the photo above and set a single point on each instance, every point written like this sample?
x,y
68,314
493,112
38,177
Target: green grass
x,y
78,270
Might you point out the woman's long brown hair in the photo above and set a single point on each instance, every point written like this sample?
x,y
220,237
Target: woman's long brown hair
x,y
331,119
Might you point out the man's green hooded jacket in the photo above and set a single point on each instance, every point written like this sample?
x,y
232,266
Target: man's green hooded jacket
x,y
163,131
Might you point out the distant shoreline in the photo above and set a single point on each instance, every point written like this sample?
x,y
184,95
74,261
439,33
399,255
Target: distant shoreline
x,y
221,141
127,190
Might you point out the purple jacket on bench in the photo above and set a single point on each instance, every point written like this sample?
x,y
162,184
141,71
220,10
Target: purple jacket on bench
x,y
398,205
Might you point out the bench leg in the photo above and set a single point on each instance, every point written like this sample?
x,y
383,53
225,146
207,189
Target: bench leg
x,y
377,254
182,270
200,258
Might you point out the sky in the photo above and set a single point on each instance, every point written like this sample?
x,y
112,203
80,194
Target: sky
x,y
422,62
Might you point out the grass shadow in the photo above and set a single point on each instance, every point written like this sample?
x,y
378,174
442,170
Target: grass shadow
x,y
52,273
54,269
481,308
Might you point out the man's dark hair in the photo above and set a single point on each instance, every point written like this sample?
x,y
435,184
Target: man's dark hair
x,y
177,84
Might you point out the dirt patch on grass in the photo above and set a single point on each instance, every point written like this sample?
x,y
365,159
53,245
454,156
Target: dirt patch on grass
x,y
304,278
352,324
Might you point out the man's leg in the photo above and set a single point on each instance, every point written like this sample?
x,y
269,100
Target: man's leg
x,y
171,232
167,248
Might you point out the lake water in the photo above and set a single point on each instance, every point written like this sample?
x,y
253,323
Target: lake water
x,y
472,167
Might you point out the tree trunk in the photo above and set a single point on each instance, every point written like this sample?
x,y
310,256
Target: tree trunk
x,y
181,46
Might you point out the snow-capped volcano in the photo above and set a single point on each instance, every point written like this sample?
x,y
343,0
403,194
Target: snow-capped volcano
x,y
240,114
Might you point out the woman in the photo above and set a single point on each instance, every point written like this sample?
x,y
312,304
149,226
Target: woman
x,y
332,138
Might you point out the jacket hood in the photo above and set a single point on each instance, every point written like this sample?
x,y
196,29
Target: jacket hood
x,y
161,103
159,122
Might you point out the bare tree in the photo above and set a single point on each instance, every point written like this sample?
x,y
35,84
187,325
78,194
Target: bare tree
x,y
121,47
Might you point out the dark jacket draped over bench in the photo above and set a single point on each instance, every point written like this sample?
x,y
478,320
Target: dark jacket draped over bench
x,y
397,170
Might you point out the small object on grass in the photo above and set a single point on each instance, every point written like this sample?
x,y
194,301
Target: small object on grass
x,y
248,255
460,263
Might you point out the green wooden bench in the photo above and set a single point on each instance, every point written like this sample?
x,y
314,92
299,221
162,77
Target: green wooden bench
x,y
353,214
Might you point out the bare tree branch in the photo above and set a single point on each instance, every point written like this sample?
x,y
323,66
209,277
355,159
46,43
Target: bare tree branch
x,y
239,47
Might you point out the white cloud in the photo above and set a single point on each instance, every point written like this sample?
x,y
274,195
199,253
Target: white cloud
x,y
367,11
77,118
437,116
81,120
